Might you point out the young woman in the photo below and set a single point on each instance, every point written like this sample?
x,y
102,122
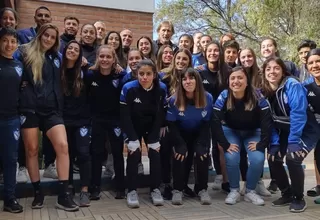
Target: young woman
x,y
189,114
10,78
143,104
298,131
248,61
196,43
269,48
313,94
134,57
214,76
88,41
104,86
164,58
76,116
230,52
226,37
144,44
199,59
242,118
186,42
41,103
181,61
113,39
8,18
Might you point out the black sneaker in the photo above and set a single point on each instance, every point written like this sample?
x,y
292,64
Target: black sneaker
x,y
66,203
282,201
273,187
225,187
298,205
95,193
12,206
189,192
37,202
167,192
120,195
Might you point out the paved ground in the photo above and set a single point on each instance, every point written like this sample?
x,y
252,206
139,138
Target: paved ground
x,y
110,209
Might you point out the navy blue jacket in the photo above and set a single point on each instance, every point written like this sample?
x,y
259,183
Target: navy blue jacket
x,y
26,35
142,111
192,120
198,59
34,97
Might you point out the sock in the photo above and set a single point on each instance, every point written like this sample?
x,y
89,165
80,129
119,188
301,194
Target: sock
x,y
63,186
36,186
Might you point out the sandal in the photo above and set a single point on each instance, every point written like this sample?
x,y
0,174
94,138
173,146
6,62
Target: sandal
x,y
315,191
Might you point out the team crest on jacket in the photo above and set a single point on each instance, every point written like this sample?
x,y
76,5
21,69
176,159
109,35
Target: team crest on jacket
x,y
83,131
16,134
204,113
18,70
117,131
22,119
56,62
115,83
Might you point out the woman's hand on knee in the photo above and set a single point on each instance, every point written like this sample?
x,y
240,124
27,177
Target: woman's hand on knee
x,y
233,148
252,146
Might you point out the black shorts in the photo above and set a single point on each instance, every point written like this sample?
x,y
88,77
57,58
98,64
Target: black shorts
x,y
42,121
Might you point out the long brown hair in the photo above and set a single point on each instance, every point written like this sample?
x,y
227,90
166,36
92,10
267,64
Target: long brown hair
x,y
34,56
151,55
159,63
171,73
266,89
253,72
200,100
78,82
96,65
250,96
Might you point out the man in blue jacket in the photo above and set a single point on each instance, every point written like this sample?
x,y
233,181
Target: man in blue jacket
x,y
42,16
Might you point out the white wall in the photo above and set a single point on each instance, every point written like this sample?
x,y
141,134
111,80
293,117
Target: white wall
x,y
130,5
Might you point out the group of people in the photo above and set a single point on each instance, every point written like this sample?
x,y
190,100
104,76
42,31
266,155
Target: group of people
x,y
192,103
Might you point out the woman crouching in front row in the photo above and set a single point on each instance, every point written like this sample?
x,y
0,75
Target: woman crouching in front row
x,y
189,114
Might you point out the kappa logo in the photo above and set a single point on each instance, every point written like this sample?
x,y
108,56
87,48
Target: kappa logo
x,y
22,119
94,83
137,100
56,62
204,113
181,114
117,131
205,82
83,131
18,70
115,83
30,37
311,93
16,134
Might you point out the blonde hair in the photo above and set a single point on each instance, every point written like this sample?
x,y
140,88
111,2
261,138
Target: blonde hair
x,y
96,65
34,54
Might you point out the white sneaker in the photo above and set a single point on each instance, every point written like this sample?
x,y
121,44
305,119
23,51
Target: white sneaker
x,y
140,169
233,197
205,198
50,172
244,189
262,190
217,183
133,199
157,198
253,197
22,176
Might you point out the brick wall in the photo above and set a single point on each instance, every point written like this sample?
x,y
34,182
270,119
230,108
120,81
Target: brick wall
x,y
140,23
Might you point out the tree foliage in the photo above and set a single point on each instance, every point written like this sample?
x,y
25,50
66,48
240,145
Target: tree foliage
x,y
287,21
